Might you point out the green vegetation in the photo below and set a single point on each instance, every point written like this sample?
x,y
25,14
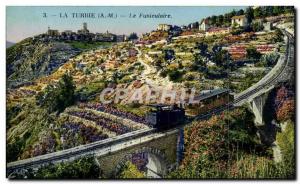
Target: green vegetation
x,y
268,60
90,90
14,149
240,84
250,13
31,127
11,112
257,27
219,56
58,97
226,146
175,75
84,168
135,108
130,171
14,51
89,45
265,11
133,36
286,142
253,54
278,36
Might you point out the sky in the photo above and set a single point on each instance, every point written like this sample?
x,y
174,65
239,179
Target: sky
x,y
26,21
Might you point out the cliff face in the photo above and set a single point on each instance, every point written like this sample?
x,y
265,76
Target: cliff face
x,y
29,59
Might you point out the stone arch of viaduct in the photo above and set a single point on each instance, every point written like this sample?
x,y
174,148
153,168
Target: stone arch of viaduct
x,y
162,153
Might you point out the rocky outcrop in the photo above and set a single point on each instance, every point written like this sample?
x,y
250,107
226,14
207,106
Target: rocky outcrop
x,y
31,59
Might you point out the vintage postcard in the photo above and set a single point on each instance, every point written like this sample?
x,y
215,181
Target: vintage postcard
x,y
142,92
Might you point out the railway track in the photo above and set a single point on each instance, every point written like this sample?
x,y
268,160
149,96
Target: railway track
x,y
272,80
78,151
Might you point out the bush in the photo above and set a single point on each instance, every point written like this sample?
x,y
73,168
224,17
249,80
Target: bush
x,y
130,171
14,149
89,90
286,110
58,97
252,53
269,59
278,37
256,27
286,142
225,146
176,75
84,168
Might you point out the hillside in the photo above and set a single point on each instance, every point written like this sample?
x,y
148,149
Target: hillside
x,y
29,60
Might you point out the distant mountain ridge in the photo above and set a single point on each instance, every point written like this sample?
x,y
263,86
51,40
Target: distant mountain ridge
x,y
9,44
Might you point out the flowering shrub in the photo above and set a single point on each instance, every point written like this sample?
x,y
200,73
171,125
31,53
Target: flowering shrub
x,y
211,145
113,126
111,110
286,110
84,134
284,103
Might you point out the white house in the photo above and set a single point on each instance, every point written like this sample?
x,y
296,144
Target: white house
x,y
240,20
204,25
163,27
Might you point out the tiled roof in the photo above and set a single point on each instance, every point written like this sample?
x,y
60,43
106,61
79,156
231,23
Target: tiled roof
x,y
204,20
238,17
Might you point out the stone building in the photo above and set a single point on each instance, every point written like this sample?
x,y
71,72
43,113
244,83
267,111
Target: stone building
x,y
84,30
163,27
240,20
204,25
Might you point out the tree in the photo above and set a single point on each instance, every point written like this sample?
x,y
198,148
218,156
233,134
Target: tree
x,y
268,11
202,48
58,97
213,20
169,54
257,27
220,20
286,142
277,10
66,89
232,13
286,110
252,53
219,56
249,14
199,63
236,30
216,48
257,12
227,19
84,168
240,12
133,36
278,37
175,75
130,171
288,9
209,144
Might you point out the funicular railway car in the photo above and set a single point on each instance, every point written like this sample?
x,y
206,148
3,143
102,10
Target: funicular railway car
x,y
209,100
168,116
165,116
